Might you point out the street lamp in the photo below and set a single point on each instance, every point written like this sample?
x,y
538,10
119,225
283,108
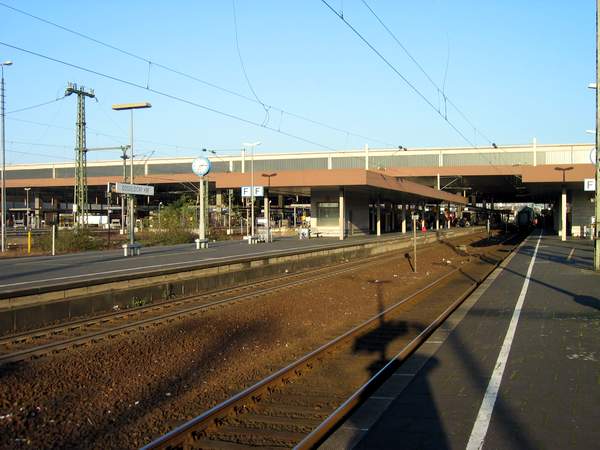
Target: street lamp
x,y
267,203
563,170
251,145
27,189
130,107
5,63
596,159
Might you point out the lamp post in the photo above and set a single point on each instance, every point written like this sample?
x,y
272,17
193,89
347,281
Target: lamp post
x,y
252,146
130,107
267,204
2,140
597,159
563,212
27,189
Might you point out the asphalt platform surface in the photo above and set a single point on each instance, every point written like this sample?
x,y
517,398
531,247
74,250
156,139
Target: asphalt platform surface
x,y
44,271
516,367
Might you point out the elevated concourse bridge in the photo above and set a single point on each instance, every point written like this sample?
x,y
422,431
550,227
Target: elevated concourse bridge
x,y
385,177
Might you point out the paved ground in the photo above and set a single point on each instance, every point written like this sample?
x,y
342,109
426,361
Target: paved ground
x,y
43,271
516,367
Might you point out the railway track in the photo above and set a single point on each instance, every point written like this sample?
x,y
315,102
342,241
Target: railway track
x,y
53,339
298,405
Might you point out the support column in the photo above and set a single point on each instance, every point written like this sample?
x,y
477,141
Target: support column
x,y
403,219
342,218
229,211
267,215
37,204
563,215
393,217
378,217
437,217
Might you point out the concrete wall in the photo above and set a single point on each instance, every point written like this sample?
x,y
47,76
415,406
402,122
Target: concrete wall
x,y
356,211
38,310
582,212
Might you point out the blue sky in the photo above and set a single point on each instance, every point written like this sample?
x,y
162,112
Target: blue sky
x,y
516,69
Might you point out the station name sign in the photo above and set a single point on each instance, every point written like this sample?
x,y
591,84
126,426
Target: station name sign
x,y
133,189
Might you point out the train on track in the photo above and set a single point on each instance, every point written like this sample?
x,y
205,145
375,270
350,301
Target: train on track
x,y
526,218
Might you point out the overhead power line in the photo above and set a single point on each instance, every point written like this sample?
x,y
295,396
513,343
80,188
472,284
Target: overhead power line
x,y
397,72
38,154
195,78
122,138
39,105
166,95
413,59
239,52
411,85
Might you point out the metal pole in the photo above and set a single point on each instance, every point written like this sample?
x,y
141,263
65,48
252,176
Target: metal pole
x,y
159,205
123,208
252,187
27,208
108,221
131,200
2,130
597,197
201,226
229,194
53,240
267,214
415,242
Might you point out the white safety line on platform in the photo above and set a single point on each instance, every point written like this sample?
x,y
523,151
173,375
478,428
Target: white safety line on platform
x,y
484,416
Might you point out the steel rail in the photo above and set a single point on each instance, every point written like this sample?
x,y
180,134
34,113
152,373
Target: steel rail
x,y
317,435
71,325
63,344
183,435
141,324
217,414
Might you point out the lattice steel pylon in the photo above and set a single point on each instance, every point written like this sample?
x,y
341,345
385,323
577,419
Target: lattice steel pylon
x,y
80,200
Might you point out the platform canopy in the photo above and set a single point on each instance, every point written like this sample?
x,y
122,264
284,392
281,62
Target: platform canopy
x,y
377,183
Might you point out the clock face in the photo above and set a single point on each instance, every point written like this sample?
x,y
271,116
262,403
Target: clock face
x,y
201,166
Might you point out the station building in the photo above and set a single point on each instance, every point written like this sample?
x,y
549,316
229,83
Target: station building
x,y
349,192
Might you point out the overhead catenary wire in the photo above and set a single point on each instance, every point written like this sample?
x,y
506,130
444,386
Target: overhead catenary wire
x,y
391,66
38,154
441,90
243,66
194,78
39,105
411,85
166,95
123,138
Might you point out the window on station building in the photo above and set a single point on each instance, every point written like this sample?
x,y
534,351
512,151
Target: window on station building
x,y
328,214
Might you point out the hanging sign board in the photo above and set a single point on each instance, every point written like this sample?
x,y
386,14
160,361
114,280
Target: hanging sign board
x,y
259,191
133,189
589,184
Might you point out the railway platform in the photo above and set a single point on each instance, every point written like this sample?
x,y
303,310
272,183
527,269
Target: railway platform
x,y
43,272
516,366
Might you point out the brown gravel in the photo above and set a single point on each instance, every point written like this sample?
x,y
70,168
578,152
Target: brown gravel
x,y
123,392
